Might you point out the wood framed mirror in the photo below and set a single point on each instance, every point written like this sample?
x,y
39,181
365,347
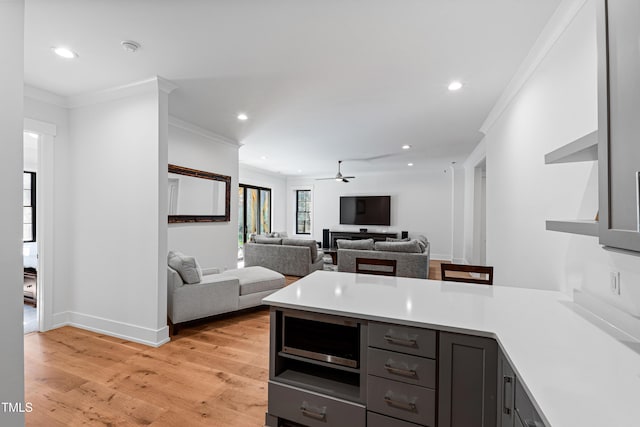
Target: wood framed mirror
x,y
198,196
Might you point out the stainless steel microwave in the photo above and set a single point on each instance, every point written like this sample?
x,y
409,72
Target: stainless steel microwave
x,y
331,340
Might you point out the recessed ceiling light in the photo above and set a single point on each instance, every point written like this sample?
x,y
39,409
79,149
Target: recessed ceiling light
x,y
406,147
242,116
263,158
455,85
64,52
299,170
409,164
130,46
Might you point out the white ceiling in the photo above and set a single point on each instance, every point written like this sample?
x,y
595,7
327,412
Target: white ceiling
x,y
321,80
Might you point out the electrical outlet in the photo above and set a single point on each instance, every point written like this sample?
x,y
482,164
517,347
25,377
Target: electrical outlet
x,y
615,282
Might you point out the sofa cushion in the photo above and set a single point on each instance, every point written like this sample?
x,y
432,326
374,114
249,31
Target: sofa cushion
x,y
363,244
268,240
411,246
173,279
186,266
256,279
303,242
281,234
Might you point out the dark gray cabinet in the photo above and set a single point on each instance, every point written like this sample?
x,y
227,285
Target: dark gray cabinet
x,y
467,376
506,392
515,409
618,124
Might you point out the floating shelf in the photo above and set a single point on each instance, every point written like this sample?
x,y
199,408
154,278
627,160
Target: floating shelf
x,y
584,227
581,150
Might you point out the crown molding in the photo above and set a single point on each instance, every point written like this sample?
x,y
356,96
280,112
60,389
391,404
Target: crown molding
x,y
558,23
205,133
251,168
45,96
119,92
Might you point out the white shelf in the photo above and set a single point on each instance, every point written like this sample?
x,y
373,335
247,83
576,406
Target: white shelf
x,y
581,150
584,227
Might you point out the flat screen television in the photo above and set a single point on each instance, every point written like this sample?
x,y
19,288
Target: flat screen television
x,y
365,210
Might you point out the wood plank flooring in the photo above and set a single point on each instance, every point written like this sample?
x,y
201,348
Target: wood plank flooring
x,y
211,374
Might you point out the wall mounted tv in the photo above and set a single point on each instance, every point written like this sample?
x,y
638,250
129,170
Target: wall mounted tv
x,y
365,210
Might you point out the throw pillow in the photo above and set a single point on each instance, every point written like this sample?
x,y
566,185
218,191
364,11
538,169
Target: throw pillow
x,y
186,266
412,246
268,240
303,242
363,244
392,239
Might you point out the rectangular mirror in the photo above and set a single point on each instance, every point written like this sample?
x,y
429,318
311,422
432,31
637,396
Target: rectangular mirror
x,y
198,196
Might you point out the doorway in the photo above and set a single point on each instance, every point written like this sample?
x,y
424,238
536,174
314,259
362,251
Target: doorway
x,y
29,230
254,213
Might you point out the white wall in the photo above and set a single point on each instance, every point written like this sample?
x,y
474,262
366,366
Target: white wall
x,y
458,200
555,106
117,209
278,186
11,106
213,244
38,106
420,204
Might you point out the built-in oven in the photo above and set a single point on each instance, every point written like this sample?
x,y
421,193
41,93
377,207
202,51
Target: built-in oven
x,y
325,338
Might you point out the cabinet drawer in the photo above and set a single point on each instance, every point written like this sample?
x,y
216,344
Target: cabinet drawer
x,y
525,409
377,420
399,400
405,339
311,409
402,367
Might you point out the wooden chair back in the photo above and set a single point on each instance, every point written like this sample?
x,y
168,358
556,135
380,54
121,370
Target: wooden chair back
x,y
382,267
486,273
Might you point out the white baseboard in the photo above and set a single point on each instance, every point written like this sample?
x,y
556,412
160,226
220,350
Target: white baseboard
x,y
459,261
440,257
614,316
100,325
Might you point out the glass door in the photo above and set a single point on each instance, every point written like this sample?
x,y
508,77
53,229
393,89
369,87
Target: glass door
x,y
254,213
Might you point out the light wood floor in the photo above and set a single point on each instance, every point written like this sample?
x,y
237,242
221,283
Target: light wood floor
x,y
211,374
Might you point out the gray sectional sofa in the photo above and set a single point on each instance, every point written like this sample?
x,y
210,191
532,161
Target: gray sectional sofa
x,y
292,257
412,255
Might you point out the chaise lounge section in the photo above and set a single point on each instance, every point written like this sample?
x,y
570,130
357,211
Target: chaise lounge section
x,y
191,296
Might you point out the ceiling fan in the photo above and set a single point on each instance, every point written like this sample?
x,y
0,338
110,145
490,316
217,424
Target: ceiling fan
x,y
339,176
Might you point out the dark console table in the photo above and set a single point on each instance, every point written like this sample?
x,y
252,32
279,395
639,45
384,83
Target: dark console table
x,y
358,235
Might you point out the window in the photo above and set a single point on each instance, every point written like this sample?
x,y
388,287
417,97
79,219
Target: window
x,y
29,207
303,211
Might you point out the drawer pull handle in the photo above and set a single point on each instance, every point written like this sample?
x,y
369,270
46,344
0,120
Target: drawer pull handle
x,y
314,413
507,396
400,371
409,406
401,341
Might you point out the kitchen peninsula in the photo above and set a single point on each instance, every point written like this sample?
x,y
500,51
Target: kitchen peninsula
x,y
407,352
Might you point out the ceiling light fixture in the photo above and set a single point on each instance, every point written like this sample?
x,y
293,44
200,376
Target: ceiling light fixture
x,y
242,117
64,52
130,46
263,158
409,164
455,85
406,147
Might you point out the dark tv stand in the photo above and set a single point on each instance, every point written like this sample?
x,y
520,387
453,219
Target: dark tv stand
x,y
358,235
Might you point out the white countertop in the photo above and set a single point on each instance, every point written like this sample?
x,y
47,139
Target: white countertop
x,y
577,369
